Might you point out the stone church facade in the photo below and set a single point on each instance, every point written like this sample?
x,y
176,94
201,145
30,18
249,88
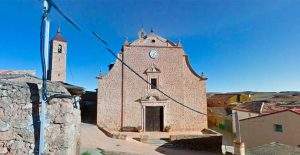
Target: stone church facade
x,y
125,100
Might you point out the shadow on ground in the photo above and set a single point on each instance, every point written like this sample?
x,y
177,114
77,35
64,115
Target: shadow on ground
x,y
191,146
99,151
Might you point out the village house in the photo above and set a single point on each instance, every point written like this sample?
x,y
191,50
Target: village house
x,y
253,109
219,107
276,102
257,112
280,126
125,101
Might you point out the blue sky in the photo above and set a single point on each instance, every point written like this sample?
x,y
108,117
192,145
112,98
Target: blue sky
x,y
240,45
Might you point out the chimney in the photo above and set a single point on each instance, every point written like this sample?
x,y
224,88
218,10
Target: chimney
x,y
239,146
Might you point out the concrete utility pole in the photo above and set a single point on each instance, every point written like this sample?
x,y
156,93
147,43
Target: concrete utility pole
x,y
44,59
239,146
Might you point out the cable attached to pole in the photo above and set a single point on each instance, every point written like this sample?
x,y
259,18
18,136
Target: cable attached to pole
x,y
137,74
106,47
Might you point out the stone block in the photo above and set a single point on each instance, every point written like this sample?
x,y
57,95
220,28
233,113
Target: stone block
x,y
144,138
4,126
3,150
19,109
7,135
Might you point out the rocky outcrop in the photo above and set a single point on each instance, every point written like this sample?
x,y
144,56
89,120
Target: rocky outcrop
x,y
19,117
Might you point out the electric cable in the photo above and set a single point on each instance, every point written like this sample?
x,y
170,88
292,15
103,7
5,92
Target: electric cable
x,y
105,45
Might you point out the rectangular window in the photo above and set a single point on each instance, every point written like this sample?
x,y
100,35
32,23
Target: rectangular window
x,y
278,128
153,83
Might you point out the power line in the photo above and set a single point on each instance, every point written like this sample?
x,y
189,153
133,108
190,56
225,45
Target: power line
x,y
111,52
106,47
52,4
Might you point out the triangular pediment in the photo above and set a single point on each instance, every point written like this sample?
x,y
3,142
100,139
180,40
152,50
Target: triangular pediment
x,y
152,39
152,69
151,98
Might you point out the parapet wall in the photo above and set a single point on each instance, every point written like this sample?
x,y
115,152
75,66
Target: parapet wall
x,y
209,141
19,118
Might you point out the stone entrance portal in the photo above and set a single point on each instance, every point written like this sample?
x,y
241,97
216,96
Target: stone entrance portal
x,y
154,118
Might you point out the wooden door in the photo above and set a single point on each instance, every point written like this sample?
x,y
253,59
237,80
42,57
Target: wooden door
x,y
154,118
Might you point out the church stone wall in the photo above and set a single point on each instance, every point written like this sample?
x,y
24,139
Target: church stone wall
x,y
19,119
175,79
109,101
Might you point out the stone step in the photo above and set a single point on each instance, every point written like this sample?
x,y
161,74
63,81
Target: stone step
x,y
159,142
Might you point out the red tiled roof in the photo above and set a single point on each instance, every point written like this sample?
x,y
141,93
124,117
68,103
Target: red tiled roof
x,y
295,110
272,107
288,100
219,100
261,107
253,106
4,71
59,37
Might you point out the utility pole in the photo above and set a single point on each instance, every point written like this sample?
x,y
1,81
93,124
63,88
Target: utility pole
x,y
44,49
45,26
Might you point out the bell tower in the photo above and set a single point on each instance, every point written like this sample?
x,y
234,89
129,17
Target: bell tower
x,y
57,58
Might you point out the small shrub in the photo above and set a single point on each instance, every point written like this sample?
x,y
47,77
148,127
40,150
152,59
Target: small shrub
x,y
86,153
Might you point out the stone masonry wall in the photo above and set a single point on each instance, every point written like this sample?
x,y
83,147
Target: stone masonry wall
x,y
124,100
19,119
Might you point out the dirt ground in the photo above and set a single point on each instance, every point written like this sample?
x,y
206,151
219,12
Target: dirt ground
x,y
95,142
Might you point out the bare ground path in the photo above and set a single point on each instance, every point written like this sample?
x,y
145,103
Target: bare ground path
x,y
91,138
